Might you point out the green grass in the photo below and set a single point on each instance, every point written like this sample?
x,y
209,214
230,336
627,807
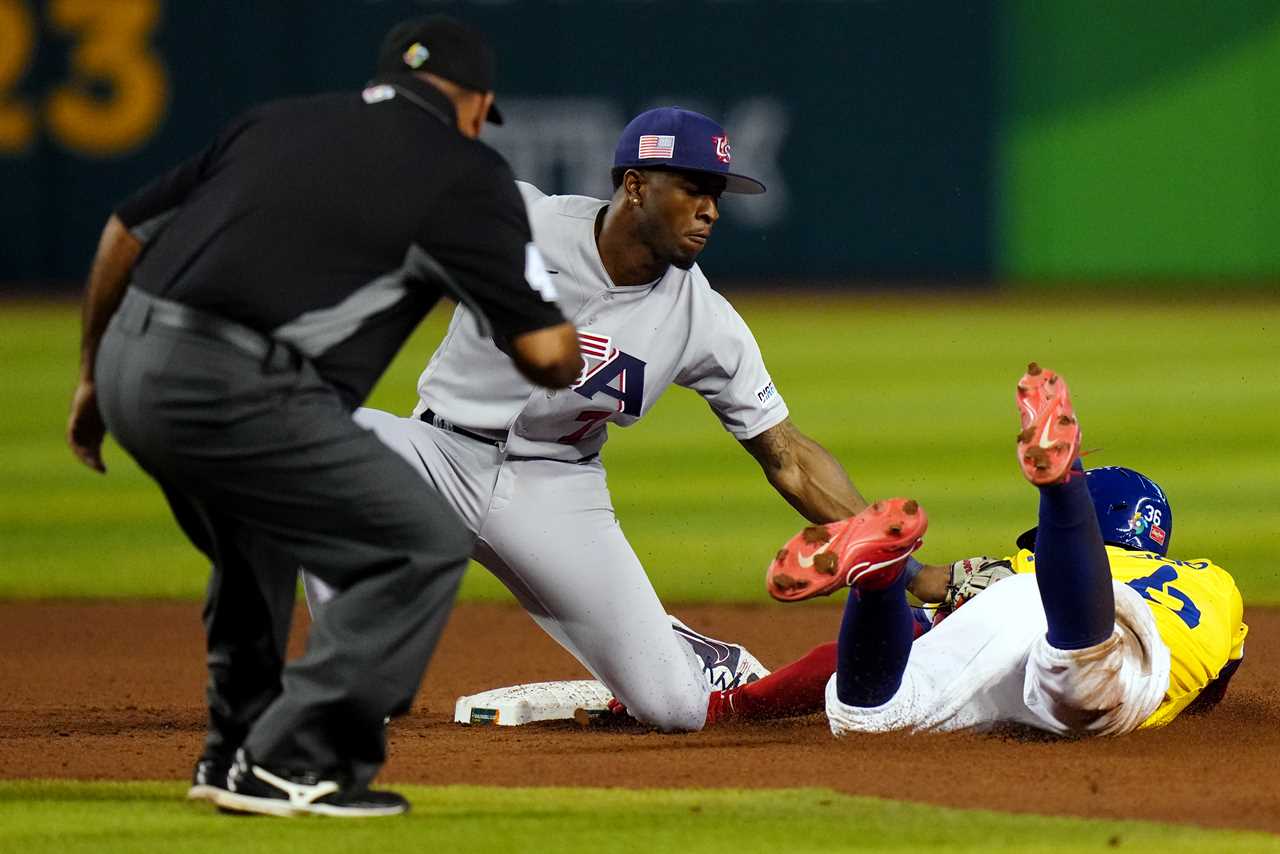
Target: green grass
x,y
915,397
105,818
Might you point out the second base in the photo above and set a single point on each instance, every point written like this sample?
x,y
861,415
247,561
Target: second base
x,y
533,701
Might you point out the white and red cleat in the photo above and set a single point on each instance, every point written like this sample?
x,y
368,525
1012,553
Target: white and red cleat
x,y
867,551
1050,438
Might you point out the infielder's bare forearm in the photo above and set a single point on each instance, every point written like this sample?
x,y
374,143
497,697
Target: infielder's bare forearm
x,y
117,252
805,474
930,583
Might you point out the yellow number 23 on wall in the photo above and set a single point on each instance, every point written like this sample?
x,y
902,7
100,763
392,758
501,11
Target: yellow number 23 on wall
x,y
117,89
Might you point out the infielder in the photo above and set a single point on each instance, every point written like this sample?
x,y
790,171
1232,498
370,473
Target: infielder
x,y
1091,630
522,465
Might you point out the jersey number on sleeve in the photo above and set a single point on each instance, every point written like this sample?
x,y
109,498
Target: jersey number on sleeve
x,y
1160,583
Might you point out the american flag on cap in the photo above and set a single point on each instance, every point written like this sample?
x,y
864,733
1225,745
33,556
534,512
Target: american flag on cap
x,y
654,146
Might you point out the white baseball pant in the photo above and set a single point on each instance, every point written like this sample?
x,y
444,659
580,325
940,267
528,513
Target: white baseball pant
x,y
989,664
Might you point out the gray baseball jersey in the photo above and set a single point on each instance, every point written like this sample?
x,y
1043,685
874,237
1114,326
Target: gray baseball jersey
x,y
537,500
636,340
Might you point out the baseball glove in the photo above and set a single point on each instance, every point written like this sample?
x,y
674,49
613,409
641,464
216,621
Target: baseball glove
x,y
969,577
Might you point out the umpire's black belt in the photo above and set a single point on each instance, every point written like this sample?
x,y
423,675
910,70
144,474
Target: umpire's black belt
x,y
140,309
436,421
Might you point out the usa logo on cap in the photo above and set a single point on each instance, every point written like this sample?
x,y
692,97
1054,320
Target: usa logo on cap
x,y
722,148
652,146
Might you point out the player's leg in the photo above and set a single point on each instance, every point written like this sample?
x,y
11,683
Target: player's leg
x,y
877,628
553,539
459,468
1101,667
1071,561
874,642
965,673
798,688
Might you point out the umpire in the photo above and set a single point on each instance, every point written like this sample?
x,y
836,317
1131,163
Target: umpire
x,y
237,310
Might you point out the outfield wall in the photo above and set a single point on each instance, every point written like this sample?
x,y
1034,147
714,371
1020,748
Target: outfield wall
x,y
902,141
1139,140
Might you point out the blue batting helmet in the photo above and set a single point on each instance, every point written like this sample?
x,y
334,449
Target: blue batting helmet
x,y
1132,509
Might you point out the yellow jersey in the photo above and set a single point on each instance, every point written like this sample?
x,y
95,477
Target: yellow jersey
x,y
1198,612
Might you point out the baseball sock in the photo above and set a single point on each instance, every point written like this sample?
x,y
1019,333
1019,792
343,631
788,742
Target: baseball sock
x,y
1072,569
798,689
875,642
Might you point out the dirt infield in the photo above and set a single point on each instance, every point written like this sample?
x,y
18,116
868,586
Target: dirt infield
x,y
114,691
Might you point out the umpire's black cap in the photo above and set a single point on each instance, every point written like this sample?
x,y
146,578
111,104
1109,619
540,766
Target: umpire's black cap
x,y
443,46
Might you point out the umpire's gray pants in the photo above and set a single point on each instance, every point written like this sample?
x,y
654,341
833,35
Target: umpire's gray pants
x,y
265,470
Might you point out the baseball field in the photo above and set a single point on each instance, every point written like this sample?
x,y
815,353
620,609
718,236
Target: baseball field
x,y
101,710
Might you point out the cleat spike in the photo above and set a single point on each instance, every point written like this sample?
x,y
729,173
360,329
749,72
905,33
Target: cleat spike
x,y
894,530
781,556
911,508
816,534
825,563
782,581
1033,369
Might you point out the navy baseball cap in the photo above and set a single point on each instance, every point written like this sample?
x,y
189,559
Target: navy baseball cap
x,y
672,138
443,46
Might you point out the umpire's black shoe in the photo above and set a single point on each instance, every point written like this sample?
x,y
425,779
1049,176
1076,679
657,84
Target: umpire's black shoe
x,y
208,778
254,789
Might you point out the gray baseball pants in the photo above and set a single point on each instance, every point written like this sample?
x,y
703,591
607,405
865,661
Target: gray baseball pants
x,y
265,470
547,530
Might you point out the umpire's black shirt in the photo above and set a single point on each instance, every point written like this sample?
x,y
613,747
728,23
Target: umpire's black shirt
x,y
325,222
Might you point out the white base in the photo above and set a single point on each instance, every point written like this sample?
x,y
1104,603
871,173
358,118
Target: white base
x,y
535,701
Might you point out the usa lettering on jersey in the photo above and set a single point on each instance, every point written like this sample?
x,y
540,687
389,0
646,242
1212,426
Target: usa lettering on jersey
x,y
620,377
596,351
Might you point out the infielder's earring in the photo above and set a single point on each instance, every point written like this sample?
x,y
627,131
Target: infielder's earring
x,y
635,200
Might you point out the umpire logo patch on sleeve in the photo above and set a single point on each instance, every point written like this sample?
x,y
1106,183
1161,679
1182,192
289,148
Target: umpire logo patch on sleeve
x,y
767,393
378,94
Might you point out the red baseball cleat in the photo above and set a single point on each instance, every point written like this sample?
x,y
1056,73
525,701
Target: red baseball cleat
x,y
1050,439
867,551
